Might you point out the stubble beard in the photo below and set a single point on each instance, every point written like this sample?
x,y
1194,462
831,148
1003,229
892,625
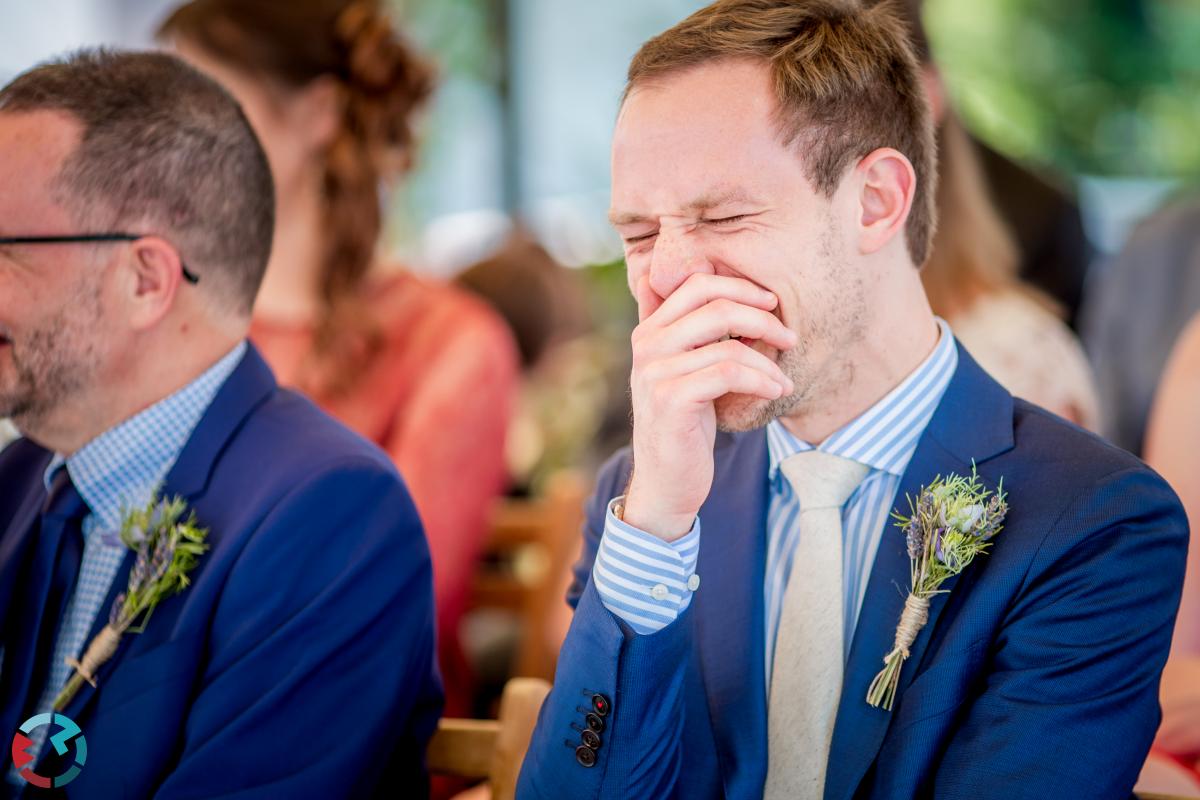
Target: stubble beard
x,y
841,325
53,362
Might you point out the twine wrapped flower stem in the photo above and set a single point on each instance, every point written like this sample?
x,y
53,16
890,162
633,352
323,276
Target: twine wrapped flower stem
x,y
953,520
167,550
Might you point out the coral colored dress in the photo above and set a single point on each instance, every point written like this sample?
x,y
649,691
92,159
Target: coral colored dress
x,y
436,393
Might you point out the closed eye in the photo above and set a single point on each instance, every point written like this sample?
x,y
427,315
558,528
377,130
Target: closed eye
x,y
727,220
642,238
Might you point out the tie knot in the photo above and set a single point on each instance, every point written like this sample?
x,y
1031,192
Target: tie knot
x,y
822,480
64,500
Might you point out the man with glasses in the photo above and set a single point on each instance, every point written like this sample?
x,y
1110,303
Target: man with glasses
x,y
136,217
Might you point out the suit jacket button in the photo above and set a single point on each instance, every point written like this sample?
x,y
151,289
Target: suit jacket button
x,y
591,739
595,723
585,755
601,705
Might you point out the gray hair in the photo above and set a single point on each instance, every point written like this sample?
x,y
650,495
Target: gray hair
x,y
163,146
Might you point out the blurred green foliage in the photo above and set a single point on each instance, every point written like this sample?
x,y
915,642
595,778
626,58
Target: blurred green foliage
x,y
1102,87
464,35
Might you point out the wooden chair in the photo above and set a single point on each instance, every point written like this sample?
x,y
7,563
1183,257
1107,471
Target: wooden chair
x,y
490,749
524,567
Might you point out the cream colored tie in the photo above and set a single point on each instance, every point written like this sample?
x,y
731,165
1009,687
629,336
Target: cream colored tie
x,y
806,676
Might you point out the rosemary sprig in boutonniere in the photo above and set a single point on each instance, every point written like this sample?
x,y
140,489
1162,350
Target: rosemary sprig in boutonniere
x,y
168,547
953,521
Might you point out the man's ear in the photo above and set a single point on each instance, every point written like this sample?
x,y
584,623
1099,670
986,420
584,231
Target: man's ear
x,y
154,275
886,183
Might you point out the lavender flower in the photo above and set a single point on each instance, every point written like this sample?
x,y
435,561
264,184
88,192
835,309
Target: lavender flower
x,y
912,532
952,521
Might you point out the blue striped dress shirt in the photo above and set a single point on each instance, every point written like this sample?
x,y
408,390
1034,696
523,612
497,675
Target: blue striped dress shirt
x,y
116,472
648,582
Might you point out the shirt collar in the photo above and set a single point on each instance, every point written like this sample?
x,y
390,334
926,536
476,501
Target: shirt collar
x,y
885,436
121,468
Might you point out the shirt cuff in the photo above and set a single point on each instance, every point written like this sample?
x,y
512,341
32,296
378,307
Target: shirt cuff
x,y
645,581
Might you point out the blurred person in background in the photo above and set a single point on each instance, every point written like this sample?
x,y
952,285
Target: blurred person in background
x,y
1173,449
571,326
1049,246
1136,307
972,281
422,369
541,300
1054,252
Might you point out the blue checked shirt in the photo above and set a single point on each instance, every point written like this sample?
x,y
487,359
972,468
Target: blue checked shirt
x,y
648,582
116,472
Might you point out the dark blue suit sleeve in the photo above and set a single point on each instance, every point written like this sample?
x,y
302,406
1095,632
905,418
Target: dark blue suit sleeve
x,y
1070,705
321,664
642,676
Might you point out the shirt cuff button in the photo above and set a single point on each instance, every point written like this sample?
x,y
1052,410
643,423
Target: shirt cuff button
x,y
694,582
659,592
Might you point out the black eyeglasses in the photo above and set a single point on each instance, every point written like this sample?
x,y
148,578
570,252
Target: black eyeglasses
x,y
93,238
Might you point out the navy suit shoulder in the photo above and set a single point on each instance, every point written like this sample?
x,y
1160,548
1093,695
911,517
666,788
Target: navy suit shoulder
x,y
332,563
300,660
1058,636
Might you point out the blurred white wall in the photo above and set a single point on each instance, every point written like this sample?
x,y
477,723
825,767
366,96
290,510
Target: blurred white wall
x,y
31,32
570,59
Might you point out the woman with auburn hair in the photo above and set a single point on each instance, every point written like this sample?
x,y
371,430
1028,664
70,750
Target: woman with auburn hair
x,y
424,370
1173,449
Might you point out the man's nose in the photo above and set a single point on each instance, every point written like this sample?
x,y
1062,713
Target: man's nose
x,y
677,255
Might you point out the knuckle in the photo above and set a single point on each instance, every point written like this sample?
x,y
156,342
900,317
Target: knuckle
x,y
728,370
660,395
725,311
650,372
731,348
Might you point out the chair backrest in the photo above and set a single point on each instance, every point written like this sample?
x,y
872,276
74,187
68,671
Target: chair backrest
x,y
524,567
490,749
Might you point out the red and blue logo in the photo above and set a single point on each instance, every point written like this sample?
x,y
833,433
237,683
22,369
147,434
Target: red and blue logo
x,y
24,749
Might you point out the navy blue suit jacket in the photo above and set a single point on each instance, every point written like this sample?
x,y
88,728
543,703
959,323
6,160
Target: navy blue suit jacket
x,y
1036,677
299,663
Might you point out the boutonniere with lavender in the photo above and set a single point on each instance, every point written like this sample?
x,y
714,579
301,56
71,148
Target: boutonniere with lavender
x,y
168,547
952,522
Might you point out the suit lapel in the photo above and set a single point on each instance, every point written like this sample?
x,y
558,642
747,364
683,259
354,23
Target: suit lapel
x,y
250,384
729,613
19,532
973,422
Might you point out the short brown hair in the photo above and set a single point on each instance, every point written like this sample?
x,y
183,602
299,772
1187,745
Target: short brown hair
x,y
846,80
163,146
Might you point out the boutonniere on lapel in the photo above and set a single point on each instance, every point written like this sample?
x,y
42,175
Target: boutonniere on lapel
x,y
953,520
168,547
